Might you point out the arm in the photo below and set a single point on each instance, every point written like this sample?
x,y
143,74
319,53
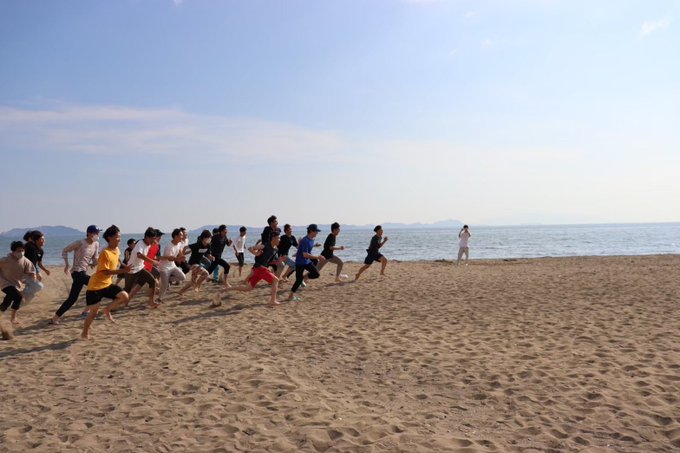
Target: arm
x,y
40,265
64,254
143,257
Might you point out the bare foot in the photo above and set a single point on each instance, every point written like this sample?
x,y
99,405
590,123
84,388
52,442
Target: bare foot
x,y
227,285
54,320
274,304
153,305
85,336
107,313
16,322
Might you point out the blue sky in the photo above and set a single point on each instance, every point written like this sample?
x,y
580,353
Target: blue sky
x,y
196,112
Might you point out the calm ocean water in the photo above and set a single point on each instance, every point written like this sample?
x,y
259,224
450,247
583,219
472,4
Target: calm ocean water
x,y
486,242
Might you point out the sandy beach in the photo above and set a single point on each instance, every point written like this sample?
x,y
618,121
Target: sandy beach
x,y
542,355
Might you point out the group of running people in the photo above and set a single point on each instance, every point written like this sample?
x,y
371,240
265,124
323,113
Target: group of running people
x,y
180,262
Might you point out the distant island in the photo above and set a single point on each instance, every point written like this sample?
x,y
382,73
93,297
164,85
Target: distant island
x,y
61,230
47,230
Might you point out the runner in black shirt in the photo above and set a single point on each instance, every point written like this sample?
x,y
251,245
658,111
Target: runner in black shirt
x,y
374,254
287,241
198,250
265,254
218,243
328,249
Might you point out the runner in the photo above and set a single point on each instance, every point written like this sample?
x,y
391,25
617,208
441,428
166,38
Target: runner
x,y
328,249
138,276
101,283
374,253
217,244
173,253
85,254
240,248
303,260
265,254
198,250
14,269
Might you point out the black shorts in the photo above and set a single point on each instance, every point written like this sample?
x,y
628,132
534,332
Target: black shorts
x,y
140,278
371,258
241,259
94,297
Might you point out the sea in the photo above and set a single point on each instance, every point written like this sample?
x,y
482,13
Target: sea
x,y
487,242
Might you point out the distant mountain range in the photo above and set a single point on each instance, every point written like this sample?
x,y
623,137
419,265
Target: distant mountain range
x,y
47,230
61,230
233,229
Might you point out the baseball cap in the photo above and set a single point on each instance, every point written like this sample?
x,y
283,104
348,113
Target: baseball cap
x,y
313,227
93,229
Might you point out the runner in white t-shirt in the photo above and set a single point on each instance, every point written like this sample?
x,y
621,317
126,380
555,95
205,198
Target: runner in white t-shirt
x,y
240,248
463,244
173,253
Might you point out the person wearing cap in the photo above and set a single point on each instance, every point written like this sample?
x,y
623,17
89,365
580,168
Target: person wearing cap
x,y
198,250
374,254
101,283
173,253
219,241
14,269
138,275
303,260
329,248
265,253
85,254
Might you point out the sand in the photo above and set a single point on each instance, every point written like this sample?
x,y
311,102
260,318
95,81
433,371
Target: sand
x,y
544,355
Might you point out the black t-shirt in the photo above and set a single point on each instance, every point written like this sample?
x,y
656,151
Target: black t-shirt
x,y
268,255
198,251
267,234
217,245
33,253
374,247
328,246
286,243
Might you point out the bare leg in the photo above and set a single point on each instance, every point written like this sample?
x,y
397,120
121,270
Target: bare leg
x,y
152,296
134,292
361,271
275,288
383,262
14,319
121,300
88,322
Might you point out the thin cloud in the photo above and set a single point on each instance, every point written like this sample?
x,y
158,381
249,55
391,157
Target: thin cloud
x,y
115,130
648,27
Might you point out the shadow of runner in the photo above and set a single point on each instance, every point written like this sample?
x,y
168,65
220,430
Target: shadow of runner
x,y
48,347
213,312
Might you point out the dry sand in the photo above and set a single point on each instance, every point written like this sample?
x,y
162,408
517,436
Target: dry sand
x,y
550,355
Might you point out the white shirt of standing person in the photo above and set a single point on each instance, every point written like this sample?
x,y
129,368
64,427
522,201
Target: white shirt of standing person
x,y
464,239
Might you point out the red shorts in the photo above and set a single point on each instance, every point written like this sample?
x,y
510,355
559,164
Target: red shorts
x,y
261,273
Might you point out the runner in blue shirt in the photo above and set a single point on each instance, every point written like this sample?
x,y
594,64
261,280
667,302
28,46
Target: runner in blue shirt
x,y
303,260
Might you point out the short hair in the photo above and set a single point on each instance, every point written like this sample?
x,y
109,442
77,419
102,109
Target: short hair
x,y
36,234
176,232
204,235
150,232
16,245
111,231
222,227
465,226
286,227
182,229
274,234
131,241
335,225
215,230
27,235
272,218
243,229
377,227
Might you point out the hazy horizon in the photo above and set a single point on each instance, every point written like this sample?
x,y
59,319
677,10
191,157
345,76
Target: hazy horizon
x,y
495,113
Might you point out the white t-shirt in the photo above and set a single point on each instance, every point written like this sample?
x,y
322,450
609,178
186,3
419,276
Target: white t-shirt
x,y
241,244
170,249
136,263
464,239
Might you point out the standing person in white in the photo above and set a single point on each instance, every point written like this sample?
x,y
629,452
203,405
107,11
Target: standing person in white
x,y
463,244
173,253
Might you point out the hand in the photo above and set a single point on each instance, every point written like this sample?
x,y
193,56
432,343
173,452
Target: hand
x,y
38,277
66,269
386,238
342,247
47,271
126,269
